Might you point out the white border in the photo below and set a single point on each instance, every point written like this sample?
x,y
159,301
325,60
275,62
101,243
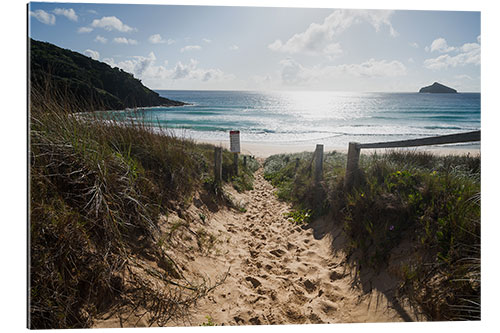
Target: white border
x,y
13,162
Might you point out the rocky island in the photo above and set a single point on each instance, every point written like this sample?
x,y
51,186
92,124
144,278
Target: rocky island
x,y
89,84
438,88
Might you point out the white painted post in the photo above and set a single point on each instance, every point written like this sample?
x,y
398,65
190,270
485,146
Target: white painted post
x,y
234,147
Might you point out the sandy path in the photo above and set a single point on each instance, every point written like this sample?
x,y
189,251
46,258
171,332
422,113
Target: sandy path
x,y
281,273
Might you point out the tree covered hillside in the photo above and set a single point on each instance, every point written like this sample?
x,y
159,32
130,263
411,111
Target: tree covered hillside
x,y
91,84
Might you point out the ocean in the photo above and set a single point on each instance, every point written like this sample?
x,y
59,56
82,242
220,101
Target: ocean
x,y
329,118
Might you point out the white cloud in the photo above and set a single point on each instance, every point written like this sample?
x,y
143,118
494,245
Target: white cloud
x,y
146,69
441,62
462,77
411,60
137,65
123,40
190,71
468,47
83,30
440,45
101,39
332,50
109,61
43,17
374,68
157,39
91,11
182,71
234,48
262,81
111,23
469,54
293,73
276,45
318,39
414,45
191,48
91,53
206,40
69,13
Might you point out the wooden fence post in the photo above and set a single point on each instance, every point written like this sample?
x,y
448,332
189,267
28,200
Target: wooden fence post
x,y
245,161
352,165
235,161
318,164
218,165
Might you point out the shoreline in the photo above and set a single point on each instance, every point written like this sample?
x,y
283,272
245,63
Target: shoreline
x,y
264,150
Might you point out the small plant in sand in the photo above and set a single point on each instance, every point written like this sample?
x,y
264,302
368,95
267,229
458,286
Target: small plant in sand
x,y
299,216
209,322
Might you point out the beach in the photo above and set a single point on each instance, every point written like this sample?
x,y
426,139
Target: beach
x,y
265,150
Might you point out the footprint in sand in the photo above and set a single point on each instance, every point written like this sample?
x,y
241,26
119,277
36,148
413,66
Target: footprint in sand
x,y
328,307
255,283
278,252
310,286
336,275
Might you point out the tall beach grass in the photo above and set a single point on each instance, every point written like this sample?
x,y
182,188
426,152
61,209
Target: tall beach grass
x,y
97,190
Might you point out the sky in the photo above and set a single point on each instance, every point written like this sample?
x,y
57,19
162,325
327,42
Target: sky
x,y
257,48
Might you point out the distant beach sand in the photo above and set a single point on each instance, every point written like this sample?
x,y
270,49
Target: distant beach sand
x,y
265,150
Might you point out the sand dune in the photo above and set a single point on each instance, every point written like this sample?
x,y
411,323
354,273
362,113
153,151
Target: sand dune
x,y
276,272
280,273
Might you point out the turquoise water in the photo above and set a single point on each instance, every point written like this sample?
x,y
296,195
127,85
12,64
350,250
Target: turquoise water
x,y
331,118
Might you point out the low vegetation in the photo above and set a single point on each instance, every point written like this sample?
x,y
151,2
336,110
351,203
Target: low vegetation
x,y
97,191
427,201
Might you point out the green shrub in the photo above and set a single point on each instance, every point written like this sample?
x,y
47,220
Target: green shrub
x,y
431,201
299,216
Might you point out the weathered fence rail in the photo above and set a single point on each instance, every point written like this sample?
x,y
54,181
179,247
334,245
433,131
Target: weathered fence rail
x,y
435,140
354,149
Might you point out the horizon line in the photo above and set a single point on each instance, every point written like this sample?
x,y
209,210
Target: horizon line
x,y
339,91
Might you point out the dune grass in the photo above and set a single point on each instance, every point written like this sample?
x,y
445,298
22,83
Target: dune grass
x,y
97,190
432,202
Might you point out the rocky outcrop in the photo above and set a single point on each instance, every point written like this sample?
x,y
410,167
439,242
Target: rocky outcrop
x,y
438,88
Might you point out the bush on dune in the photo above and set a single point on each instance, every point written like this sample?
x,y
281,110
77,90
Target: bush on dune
x,y
97,190
431,201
